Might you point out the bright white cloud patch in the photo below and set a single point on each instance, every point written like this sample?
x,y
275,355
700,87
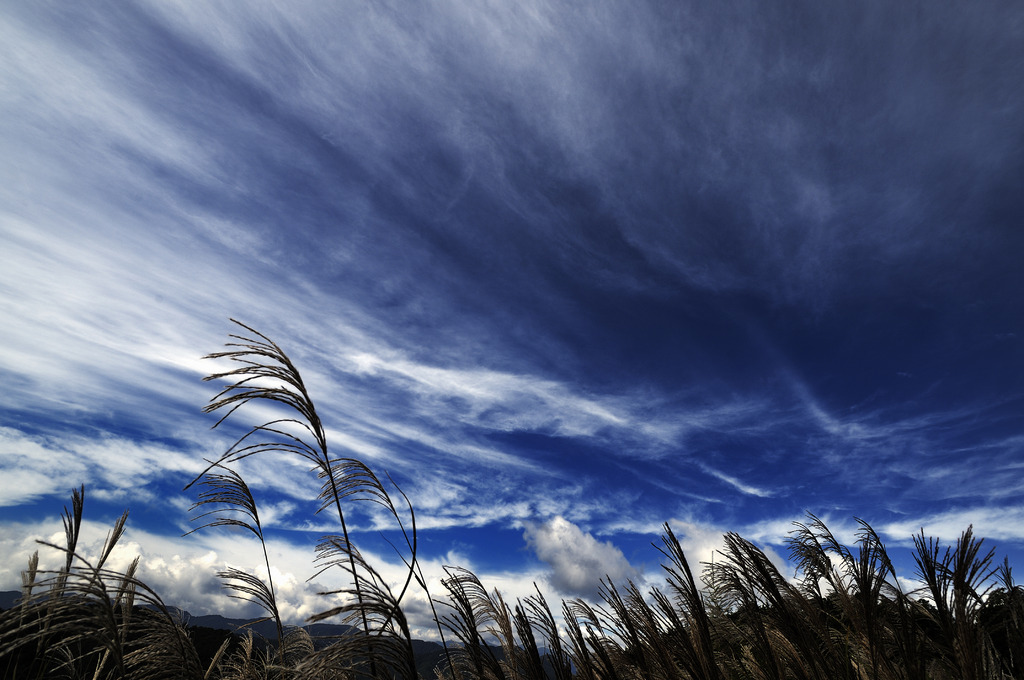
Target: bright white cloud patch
x,y
994,523
578,561
35,466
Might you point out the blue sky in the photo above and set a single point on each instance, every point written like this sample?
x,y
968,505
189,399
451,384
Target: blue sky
x,y
565,270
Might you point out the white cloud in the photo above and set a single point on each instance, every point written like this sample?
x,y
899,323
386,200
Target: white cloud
x,y
998,523
86,91
183,571
35,466
699,541
578,561
735,483
496,400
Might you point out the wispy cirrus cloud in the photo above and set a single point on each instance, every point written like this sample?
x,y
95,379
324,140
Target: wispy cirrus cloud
x,y
995,522
499,400
36,466
733,482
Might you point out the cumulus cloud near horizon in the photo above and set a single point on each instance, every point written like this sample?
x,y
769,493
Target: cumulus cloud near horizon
x,y
577,560
183,573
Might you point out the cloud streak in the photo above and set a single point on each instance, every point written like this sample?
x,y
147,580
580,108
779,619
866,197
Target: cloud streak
x,y
40,466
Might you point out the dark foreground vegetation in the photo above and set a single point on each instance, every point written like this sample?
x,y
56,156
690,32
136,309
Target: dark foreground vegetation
x,y
844,616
